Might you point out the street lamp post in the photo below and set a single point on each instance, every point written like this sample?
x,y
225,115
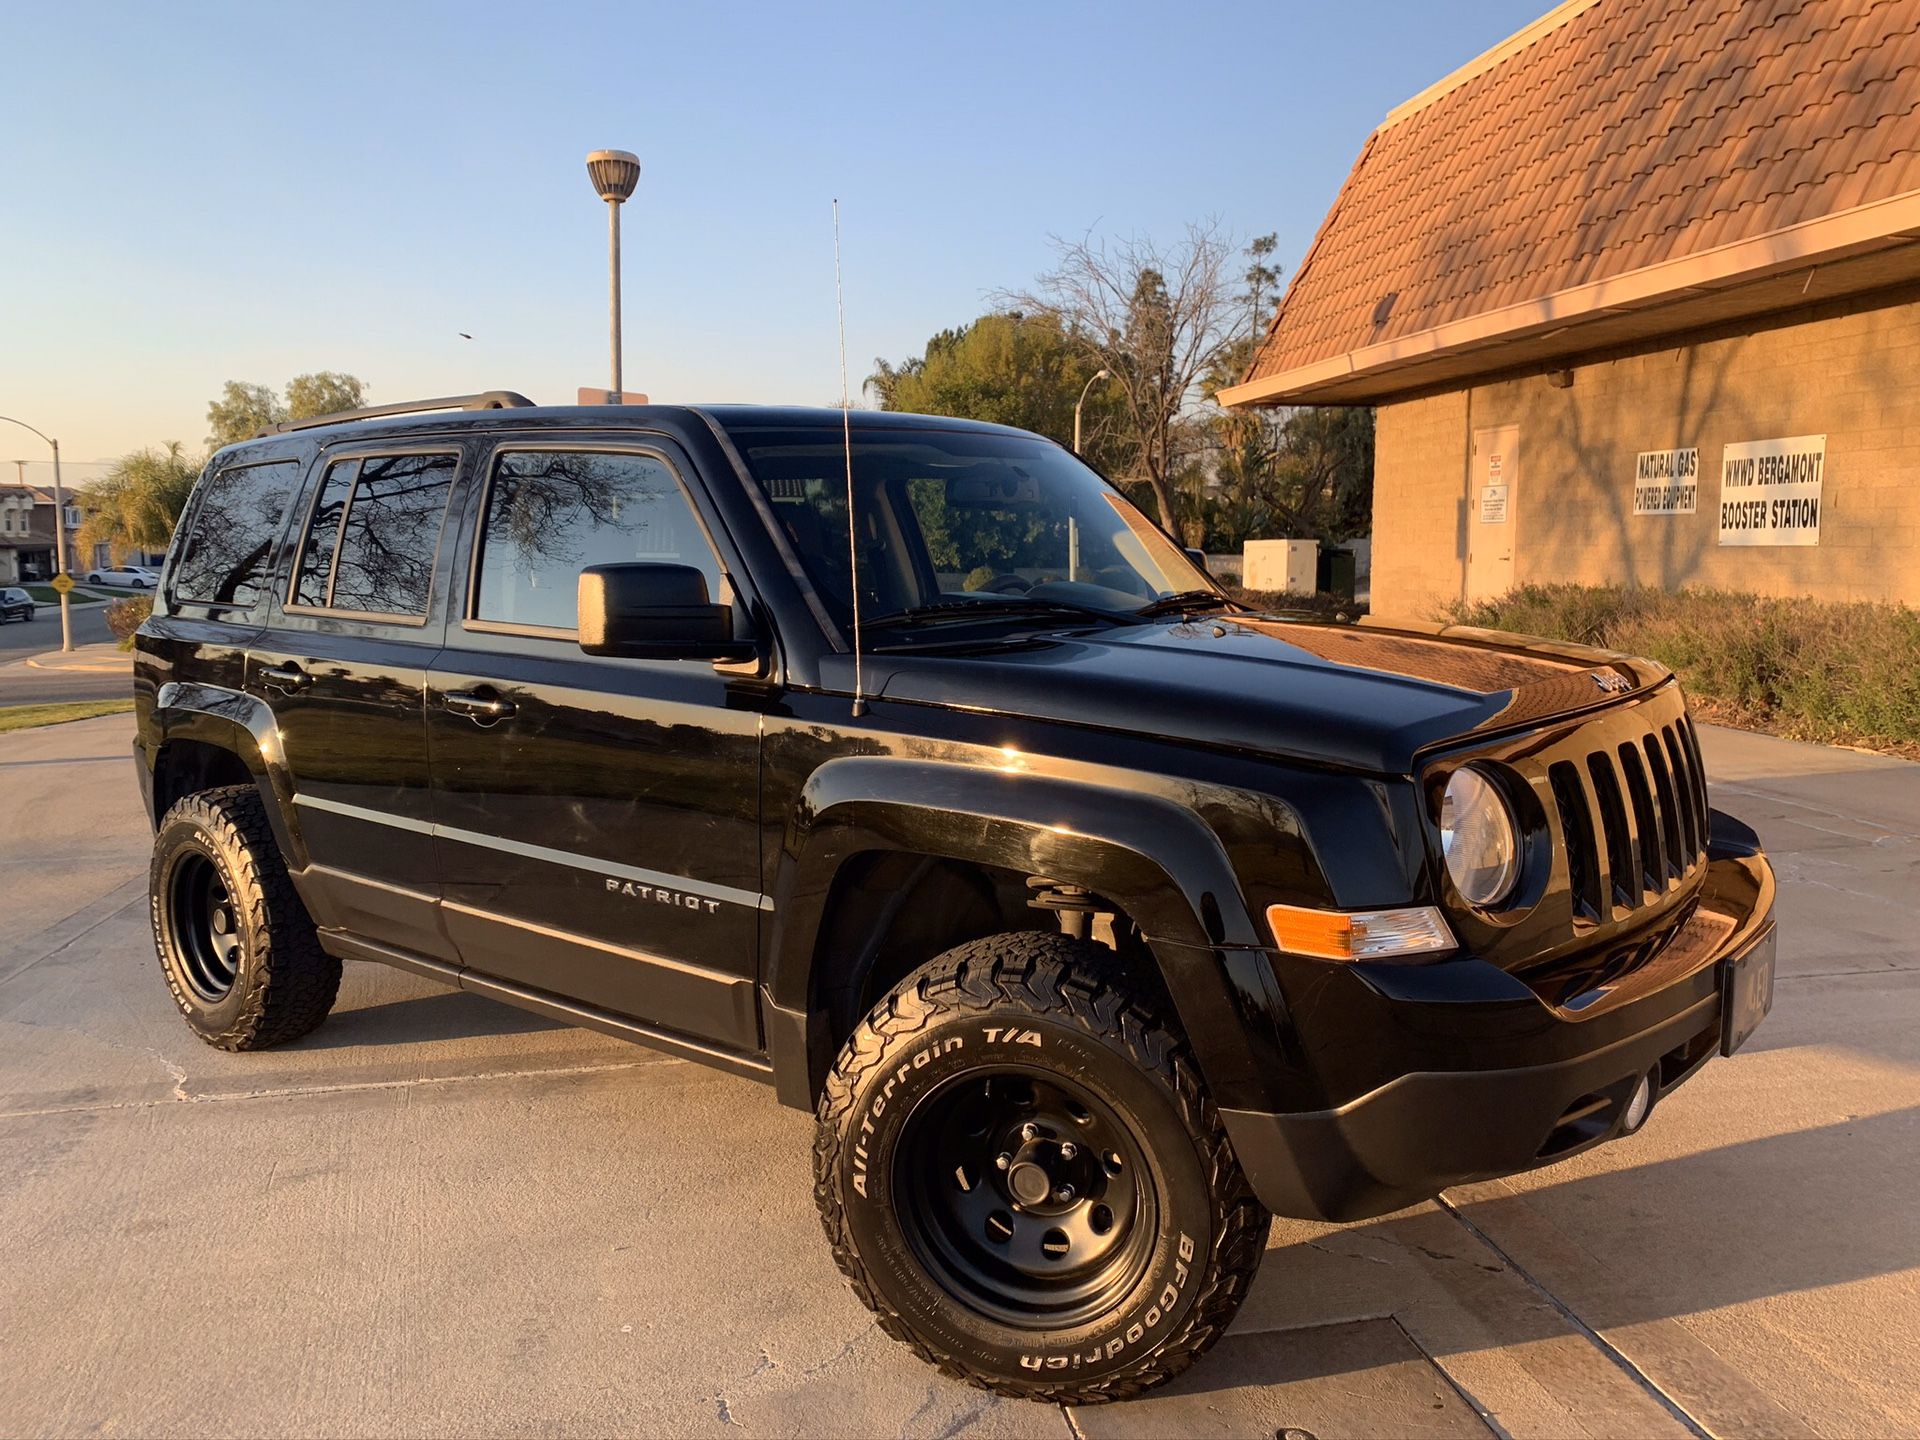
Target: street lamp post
x,y
614,174
1098,376
59,531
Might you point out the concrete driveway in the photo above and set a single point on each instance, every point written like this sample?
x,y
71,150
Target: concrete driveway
x,y
441,1216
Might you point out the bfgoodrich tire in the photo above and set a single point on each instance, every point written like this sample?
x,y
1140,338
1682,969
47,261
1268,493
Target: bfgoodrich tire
x,y
1021,1174
237,947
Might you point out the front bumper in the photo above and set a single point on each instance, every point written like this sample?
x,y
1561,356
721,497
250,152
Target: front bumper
x,y
1559,1086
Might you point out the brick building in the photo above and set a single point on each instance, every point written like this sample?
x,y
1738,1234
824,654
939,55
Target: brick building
x,y
1636,295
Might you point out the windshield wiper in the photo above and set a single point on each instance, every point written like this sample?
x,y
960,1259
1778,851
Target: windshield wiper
x,y
986,610
1183,601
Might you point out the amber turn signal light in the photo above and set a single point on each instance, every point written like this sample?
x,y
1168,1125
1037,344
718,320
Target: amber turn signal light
x,y
1359,934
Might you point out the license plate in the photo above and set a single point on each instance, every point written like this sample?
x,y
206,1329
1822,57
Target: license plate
x,y
1746,992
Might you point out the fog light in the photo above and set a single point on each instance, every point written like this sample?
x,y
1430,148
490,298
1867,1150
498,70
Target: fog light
x,y
1638,1104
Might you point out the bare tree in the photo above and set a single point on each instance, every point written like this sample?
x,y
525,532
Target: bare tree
x,y
1158,319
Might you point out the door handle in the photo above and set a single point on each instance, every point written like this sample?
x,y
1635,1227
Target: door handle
x,y
483,706
288,677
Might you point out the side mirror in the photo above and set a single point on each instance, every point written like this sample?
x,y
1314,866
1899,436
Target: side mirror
x,y
654,612
1197,555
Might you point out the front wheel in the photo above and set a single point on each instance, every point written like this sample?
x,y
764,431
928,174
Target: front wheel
x,y
93,579
1021,1173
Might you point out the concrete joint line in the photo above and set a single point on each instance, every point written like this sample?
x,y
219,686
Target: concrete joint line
x,y
181,1095
79,925
1593,1337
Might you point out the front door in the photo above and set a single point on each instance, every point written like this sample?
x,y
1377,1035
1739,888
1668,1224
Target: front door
x,y
1490,517
595,819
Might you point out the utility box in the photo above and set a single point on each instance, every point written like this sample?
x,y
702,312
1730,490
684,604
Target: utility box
x,y
1290,567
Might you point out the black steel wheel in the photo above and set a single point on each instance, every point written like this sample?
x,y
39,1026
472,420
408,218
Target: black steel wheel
x,y
1025,1194
1021,1174
237,947
204,926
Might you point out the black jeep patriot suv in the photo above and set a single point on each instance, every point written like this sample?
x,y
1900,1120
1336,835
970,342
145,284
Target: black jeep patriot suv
x,y
913,771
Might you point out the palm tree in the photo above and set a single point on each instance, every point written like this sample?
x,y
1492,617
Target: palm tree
x,y
137,504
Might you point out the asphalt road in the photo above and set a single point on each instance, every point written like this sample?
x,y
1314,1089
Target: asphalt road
x,y
18,640
440,1216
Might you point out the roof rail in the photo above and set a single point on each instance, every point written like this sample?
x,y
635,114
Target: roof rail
x,y
485,400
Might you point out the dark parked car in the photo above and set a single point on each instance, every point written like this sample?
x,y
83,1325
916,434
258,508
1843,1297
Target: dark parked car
x,y
917,774
15,604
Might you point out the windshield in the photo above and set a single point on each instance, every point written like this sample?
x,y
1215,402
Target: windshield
x,y
963,521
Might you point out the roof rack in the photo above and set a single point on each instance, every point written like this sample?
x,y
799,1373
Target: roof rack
x,y
485,400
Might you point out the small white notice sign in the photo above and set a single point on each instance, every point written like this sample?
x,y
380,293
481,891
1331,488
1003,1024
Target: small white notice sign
x,y
1493,504
1770,491
1666,482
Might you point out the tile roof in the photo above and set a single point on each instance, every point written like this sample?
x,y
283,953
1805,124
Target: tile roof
x,y
1609,137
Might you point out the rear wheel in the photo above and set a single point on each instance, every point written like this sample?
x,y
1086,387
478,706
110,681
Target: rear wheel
x,y
1020,1172
237,947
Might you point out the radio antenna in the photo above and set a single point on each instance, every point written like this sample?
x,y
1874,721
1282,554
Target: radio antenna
x,y
846,442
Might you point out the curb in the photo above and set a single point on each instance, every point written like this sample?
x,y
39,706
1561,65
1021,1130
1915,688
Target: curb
x,y
81,665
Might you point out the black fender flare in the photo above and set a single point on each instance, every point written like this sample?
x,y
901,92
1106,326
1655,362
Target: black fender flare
x,y
1156,859
237,722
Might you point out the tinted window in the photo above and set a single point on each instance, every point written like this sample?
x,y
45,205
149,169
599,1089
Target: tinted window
x,y
224,558
323,534
392,531
550,514
387,536
960,516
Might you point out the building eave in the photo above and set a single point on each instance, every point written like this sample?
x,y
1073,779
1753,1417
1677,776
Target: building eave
x,y
1483,344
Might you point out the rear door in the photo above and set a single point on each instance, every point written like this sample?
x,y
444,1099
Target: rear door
x,y
343,665
595,819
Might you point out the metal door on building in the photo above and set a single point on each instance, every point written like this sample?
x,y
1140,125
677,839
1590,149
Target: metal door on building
x,y
1490,507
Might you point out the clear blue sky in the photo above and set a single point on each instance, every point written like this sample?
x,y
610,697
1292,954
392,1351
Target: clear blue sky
x,y
191,193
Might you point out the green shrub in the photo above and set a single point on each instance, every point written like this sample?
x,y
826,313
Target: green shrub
x,y
126,616
1817,670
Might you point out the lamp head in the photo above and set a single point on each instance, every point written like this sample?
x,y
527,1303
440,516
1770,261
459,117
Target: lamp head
x,y
614,174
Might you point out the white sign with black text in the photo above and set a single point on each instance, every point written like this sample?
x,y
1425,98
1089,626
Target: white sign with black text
x,y
1666,482
1770,491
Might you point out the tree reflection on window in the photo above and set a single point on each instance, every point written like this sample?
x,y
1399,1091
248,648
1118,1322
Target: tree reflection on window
x,y
224,558
391,533
553,513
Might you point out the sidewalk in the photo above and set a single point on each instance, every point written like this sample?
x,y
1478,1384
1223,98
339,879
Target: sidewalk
x,y
105,658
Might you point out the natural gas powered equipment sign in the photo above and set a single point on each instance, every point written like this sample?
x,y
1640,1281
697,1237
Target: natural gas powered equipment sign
x,y
1770,491
1666,482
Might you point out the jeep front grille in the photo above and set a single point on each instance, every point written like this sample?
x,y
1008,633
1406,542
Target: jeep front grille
x,y
1634,819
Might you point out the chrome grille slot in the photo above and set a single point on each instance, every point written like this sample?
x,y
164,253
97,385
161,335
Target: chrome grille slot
x,y
1673,847
1577,834
1690,827
1621,865
1650,872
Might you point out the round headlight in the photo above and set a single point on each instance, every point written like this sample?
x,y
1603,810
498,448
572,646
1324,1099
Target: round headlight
x,y
1478,838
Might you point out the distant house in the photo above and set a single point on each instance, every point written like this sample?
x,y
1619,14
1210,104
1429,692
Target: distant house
x,y
1637,297
27,533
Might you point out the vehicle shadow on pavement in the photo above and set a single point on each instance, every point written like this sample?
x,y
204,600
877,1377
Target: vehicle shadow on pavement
x,y
442,1015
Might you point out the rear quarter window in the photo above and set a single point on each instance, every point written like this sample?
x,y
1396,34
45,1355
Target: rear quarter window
x,y
224,558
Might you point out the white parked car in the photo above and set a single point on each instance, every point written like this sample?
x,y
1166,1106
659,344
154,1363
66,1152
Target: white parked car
x,y
137,577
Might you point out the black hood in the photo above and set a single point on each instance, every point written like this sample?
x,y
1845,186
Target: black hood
x,y
1367,697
